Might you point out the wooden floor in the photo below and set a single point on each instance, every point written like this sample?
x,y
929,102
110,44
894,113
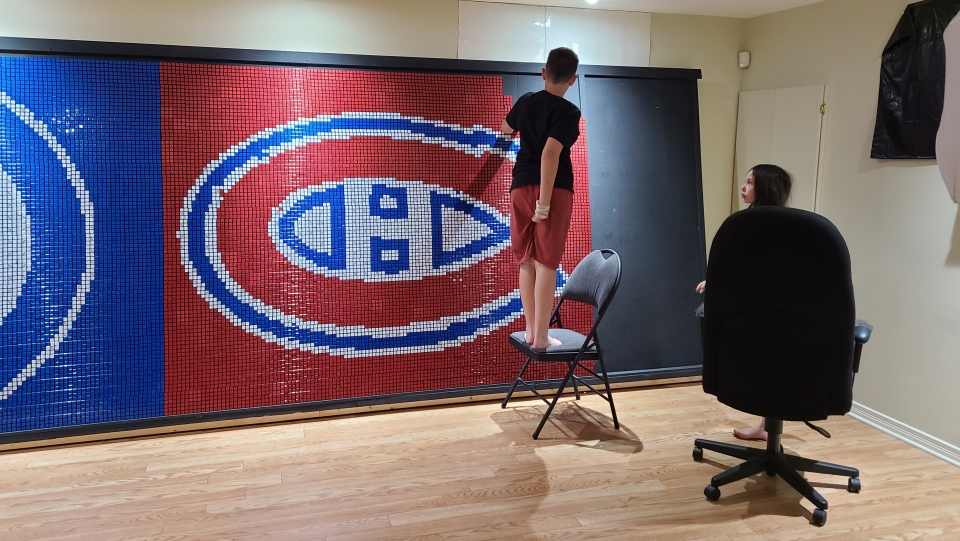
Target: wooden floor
x,y
473,472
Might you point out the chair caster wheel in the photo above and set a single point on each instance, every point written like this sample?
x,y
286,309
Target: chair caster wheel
x,y
819,517
853,484
712,493
697,454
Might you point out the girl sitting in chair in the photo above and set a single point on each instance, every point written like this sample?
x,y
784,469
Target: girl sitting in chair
x,y
765,185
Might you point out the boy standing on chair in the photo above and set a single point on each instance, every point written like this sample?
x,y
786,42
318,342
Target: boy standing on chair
x,y
541,195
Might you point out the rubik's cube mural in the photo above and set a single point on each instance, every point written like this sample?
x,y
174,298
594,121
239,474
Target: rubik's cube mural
x,y
181,238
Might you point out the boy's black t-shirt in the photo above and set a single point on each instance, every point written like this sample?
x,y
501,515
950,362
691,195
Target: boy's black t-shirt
x,y
539,116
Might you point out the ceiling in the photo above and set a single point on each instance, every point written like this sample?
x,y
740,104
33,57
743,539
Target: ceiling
x,y
743,9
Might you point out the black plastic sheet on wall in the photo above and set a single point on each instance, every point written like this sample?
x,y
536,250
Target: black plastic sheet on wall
x,y
911,82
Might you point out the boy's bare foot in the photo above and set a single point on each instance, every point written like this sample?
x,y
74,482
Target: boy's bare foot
x,y
550,343
753,433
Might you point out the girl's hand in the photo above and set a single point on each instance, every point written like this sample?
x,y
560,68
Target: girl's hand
x,y
701,286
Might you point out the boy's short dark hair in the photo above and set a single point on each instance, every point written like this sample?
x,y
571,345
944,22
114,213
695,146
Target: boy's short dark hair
x,y
561,65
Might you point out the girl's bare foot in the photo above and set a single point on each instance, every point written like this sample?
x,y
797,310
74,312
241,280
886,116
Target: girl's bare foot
x,y
753,433
551,342
528,337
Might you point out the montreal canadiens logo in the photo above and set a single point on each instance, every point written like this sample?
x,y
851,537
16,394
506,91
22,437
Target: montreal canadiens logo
x,y
312,231
46,244
371,230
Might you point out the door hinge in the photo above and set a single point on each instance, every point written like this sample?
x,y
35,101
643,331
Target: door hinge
x,y
823,108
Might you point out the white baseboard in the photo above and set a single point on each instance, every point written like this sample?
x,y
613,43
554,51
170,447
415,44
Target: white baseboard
x,y
920,440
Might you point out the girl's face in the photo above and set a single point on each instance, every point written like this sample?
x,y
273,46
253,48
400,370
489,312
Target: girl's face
x,y
746,191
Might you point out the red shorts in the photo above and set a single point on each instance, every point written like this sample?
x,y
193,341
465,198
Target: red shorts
x,y
541,241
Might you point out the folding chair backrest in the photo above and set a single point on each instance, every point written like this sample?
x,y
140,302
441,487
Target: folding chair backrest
x,y
594,281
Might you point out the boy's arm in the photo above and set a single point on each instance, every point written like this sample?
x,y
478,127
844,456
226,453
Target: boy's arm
x,y
563,134
511,117
549,161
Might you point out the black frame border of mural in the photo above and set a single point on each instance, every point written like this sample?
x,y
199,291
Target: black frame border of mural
x,y
57,48
181,53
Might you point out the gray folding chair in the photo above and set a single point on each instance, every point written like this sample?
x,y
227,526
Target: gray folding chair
x,y
594,282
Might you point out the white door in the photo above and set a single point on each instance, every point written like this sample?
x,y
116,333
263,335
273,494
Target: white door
x,y
782,127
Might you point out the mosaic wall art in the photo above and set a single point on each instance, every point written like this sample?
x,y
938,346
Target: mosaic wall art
x,y
185,237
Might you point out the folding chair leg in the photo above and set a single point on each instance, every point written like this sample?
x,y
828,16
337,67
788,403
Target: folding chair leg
x,y
606,383
576,390
515,383
553,404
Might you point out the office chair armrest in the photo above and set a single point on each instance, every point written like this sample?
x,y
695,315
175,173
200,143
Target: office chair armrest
x,y
862,331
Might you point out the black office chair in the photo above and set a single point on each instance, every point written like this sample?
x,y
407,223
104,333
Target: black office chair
x,y
780,339
594,282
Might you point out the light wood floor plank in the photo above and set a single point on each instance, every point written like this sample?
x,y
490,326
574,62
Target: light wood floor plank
x,y
472,472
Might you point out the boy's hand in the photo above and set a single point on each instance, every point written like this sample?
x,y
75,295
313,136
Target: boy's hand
x,y
541,213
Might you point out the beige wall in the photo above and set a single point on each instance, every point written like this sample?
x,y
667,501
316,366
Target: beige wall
x,y
711,44
420,28
896,215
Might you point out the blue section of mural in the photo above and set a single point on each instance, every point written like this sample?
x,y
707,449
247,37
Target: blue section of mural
x,y
81,240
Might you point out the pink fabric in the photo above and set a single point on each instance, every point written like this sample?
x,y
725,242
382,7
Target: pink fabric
x,y
542,241
948,136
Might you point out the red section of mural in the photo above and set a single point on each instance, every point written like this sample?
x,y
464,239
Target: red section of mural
x,y
212,363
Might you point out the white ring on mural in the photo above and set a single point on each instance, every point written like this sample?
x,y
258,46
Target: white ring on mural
x,y
236,174
86,208
15,237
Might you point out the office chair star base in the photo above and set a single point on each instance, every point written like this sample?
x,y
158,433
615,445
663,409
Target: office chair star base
x,y
774,461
